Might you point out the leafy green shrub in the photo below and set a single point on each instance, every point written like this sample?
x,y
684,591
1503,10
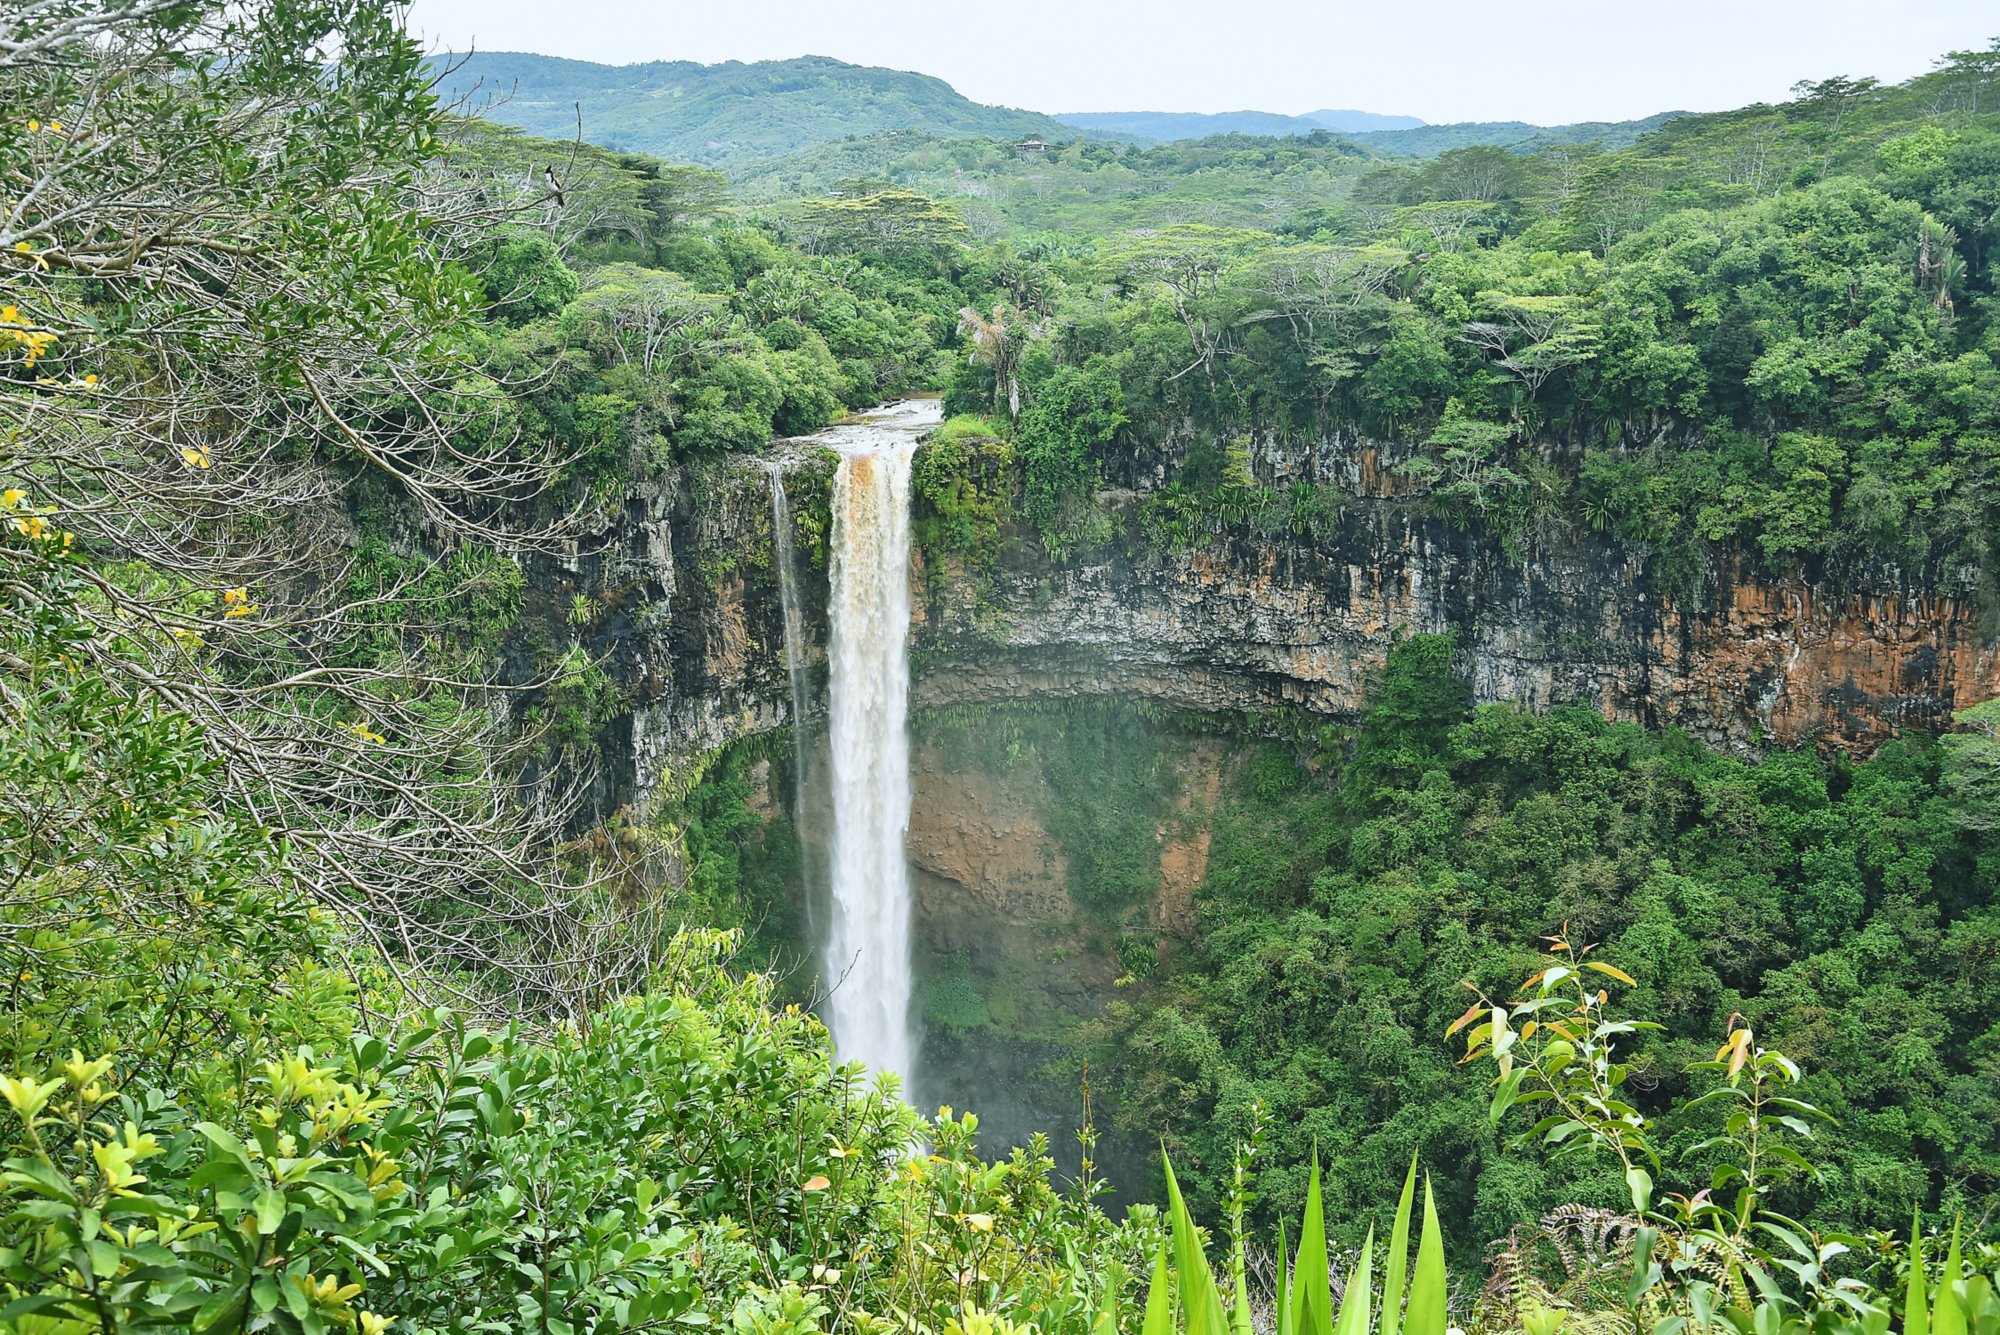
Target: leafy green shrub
x,y
524,277
964,478
1076,413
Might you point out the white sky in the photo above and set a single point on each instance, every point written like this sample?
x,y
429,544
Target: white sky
x,y
1545,61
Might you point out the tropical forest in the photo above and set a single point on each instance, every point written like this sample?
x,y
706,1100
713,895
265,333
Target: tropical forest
x,y
760,697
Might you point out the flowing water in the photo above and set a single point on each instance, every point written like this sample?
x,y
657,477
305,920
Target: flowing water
x,y
868,939
795,670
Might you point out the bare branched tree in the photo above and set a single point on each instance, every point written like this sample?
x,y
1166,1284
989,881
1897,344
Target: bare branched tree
x,y
224,247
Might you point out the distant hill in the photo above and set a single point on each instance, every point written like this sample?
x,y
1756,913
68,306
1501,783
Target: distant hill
x,y
1168,126
1398,135
1361,122
1428,141
721,115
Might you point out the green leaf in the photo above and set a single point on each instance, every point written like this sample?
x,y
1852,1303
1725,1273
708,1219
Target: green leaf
x,y
1282,1306
1353,1318
1159,1298
1646,1272
40,1302
1916,1319
1641,1184
1947,1317
1106,1322
224,1309
1396,1265
270,1211
225,1142
1312,1293
1200,1299
1427,1286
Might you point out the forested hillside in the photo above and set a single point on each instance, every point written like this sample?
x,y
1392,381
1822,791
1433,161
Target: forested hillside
x,y
723,115
334,432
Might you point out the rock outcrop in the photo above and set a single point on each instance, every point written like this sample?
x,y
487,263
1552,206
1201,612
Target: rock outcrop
x,y
1254,624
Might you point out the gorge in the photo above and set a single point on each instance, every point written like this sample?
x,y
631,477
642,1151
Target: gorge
x,y
1256,624
593,748
1248,633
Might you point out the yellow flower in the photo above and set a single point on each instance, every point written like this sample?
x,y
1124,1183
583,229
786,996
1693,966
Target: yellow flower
x,y
24,248
10,315
196,458
371,1324
34,127
12,497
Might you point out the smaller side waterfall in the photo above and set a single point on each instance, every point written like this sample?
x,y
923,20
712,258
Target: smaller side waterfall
x,y
795,670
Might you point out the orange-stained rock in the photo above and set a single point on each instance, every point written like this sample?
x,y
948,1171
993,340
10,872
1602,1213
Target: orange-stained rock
x,y
1253,622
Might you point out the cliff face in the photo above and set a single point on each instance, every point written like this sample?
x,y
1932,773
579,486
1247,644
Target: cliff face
x,y
1253,623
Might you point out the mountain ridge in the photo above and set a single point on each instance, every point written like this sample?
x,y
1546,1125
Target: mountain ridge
x,y
1169,126
733,114
724,113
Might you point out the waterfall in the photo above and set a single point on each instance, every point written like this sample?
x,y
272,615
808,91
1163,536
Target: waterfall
x,y
868,939
795,670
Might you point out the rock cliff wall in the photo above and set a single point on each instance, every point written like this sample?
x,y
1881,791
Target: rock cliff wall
x,y
690,623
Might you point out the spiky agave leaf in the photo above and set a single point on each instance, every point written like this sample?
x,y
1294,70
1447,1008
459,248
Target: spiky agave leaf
x,y
1106,1322
1201,1301
1947,1316
1353,1318
1916,1320
1312,1287
1282,1309
1159,1298
1427,1286
1396,1265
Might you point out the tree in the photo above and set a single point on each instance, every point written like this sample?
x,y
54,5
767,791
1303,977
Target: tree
x,y
1189,261
1972,767
1828,102
231,269
1000,343
1467,469
652,320
1533,337
899,225
1076,413
1968,77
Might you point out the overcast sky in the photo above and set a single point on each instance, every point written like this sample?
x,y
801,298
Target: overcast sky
x,y
1546,61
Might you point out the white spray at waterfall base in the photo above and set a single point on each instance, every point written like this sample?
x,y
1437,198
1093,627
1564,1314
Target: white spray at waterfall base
x,y
868,939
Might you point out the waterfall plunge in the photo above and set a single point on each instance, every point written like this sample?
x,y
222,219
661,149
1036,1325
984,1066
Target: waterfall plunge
x,y
868,939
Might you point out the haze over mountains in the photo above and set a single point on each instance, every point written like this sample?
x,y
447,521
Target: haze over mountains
x,y
731,114
1170,125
